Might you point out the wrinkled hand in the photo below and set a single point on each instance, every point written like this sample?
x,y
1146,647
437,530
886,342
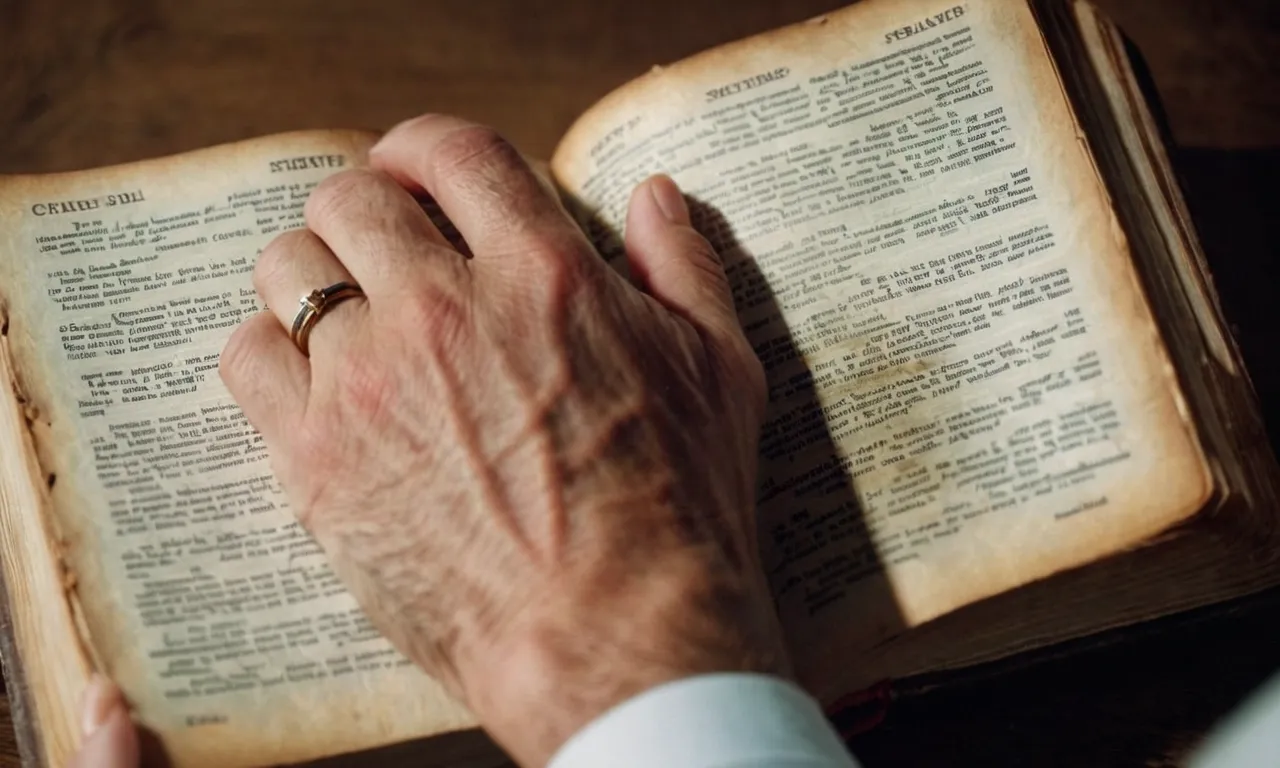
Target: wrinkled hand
x,y
537,479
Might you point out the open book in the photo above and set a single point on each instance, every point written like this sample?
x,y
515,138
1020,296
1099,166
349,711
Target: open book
x,y
1005,410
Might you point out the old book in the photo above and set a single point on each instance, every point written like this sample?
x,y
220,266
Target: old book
x,y
1005,410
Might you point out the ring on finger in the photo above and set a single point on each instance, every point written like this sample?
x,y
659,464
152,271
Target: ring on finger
x,y
313,306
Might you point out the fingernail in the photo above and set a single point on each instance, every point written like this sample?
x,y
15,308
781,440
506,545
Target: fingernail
x,y
670,199
100,698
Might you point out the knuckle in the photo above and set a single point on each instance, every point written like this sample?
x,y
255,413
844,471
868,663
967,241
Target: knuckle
x,y
706,261
553,266
273,263
713,284
552,273
335,194
474,150
698,273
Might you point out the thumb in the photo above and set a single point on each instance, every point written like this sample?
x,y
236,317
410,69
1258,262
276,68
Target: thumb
x,y
110,739
674,263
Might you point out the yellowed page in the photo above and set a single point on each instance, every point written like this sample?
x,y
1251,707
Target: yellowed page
x,y
967,390
198,592
40,629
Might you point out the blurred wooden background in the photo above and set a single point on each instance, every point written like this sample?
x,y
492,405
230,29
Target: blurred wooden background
x,y
99,81
102,81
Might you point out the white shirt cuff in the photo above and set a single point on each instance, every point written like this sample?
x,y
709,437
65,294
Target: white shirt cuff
x,y
710,721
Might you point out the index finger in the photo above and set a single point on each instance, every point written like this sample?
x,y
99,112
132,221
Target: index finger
x,y
481,182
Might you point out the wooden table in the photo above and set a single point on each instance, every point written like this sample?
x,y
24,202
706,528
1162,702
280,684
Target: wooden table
x,y
91,83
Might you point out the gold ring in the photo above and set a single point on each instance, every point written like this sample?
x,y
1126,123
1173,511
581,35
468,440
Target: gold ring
x,y
313,306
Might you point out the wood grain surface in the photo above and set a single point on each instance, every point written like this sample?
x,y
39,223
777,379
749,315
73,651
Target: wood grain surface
x,y
89,83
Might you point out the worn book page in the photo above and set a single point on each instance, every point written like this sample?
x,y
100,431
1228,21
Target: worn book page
x,y
967,389
36,624
195,588
1178,277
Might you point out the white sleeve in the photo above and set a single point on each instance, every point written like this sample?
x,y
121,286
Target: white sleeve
x,y
711,721
1250,738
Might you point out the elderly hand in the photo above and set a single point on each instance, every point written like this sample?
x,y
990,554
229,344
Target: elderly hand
x,y
537,479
